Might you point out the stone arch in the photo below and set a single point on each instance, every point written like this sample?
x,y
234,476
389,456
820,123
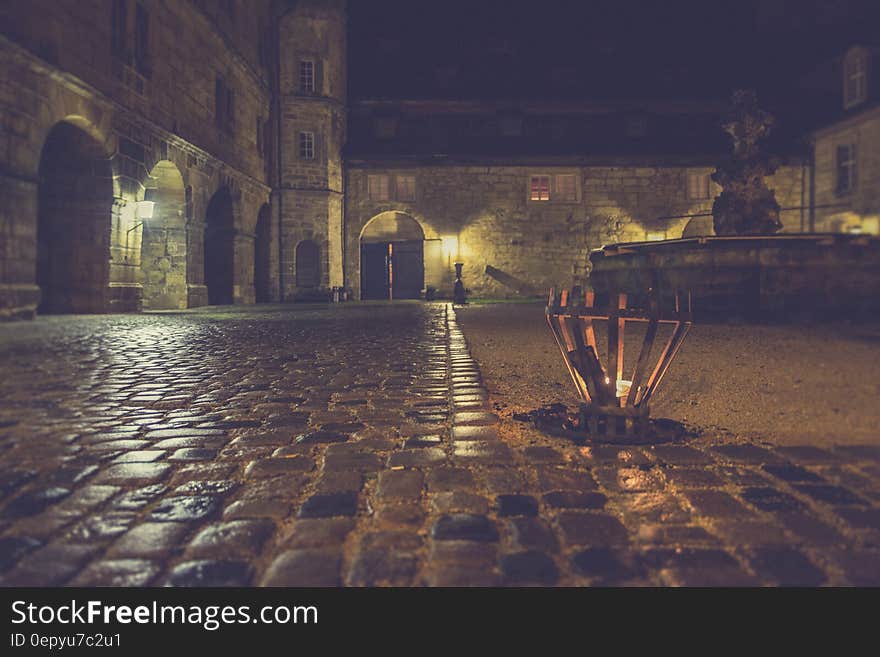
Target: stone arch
x,y
392,261
163,244
219,241
263,256
75,202
307,259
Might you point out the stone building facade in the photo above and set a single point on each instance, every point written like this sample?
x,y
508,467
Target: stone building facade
x,y
107,104
846,151
163,154
487,185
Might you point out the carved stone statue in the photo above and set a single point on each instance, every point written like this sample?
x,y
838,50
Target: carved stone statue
x,y
746,206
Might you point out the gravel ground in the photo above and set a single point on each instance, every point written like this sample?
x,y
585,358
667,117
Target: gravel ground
x,y
806,384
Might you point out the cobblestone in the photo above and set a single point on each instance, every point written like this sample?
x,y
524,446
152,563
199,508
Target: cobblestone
x,y
357,445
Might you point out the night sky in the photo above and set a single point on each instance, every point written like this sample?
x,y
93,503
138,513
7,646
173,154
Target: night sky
x,y
596,49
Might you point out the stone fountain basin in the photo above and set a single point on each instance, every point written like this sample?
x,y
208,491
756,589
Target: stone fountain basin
x,y
757,276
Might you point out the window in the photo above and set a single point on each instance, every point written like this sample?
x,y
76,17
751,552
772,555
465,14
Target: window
x,y
511,126
846,168
307,145
119,26
142,39
539,188
220,102
385,127
636,126
224,105
406,188
566,187
261,139
377,187
854,79
307,76
697,185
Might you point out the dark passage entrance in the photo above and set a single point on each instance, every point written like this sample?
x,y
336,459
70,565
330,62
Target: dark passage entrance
x,y
219,248
392,258
73,230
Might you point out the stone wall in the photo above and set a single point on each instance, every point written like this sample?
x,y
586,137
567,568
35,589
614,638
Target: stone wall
x,y
58,63
530,246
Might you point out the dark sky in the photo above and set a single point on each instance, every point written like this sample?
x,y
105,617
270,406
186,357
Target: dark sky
x,y
593,48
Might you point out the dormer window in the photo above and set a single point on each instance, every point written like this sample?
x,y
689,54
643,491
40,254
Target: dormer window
x,y
855,78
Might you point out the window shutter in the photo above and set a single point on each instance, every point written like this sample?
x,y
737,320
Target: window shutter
x,y
319,77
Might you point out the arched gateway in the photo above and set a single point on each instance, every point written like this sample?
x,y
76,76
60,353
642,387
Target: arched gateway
x,y
392,257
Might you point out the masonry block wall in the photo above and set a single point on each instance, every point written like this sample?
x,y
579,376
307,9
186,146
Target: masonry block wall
x,y
312,133
122,73
512,246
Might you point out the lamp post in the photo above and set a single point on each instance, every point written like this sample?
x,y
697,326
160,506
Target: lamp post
x,y
143,211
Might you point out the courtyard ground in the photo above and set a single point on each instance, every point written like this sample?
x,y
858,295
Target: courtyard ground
x,y
358,445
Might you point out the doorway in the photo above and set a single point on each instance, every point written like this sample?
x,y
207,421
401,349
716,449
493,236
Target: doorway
x,y
392,257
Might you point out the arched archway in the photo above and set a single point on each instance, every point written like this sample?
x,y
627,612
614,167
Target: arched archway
x,y
308,264
163,240
220,248
392,257
75,200
262,251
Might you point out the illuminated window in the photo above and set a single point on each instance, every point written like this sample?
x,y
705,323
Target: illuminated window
x,y
307,76
377,188
307,145
855,79
846,168
539,188
406,188
566,187
697,185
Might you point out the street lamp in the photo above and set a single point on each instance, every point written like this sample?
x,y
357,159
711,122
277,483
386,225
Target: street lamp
x,y
143,211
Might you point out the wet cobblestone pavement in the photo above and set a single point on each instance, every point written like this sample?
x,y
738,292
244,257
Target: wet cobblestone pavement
x,y
356,445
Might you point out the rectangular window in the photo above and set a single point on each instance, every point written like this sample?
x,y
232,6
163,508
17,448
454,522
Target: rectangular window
x,y
636,126
119,26
846,168
406,188
566,187
142,39
385,127
307,76
697,185
511,126
539,188
377,187
307,145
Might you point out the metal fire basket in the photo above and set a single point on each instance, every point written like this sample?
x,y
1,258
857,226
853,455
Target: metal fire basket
x,y
611,406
